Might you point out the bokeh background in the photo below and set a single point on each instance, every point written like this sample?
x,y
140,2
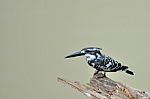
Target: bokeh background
x,y
35,35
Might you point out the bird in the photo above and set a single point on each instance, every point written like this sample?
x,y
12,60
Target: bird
x,y
99,61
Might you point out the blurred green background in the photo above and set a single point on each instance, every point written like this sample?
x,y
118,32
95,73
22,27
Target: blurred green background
x,y
35,35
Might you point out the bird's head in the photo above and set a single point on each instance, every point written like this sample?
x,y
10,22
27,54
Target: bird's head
x,y
89,53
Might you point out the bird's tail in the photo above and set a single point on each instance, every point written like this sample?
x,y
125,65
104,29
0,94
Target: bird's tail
x,y
125,69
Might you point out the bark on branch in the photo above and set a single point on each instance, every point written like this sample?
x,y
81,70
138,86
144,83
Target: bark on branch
x,y
105,88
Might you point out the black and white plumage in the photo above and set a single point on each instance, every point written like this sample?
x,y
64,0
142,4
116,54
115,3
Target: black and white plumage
x,y
101,62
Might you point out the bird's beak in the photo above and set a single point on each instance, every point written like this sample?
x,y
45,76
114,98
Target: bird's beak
x,y
75,54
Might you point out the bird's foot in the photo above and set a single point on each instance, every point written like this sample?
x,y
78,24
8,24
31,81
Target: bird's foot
x,y
100,74
96,72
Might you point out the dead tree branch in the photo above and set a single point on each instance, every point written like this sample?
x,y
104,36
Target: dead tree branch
x,y
105,88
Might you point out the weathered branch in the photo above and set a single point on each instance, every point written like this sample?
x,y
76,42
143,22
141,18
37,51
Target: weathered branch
x,y
105,88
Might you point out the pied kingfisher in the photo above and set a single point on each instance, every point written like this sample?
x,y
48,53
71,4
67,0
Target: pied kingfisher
x,y
100,62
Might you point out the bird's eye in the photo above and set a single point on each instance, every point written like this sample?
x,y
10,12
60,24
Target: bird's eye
x,y
97,51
